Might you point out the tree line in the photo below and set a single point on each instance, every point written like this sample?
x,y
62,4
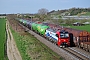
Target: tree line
x,y
2,14
72,11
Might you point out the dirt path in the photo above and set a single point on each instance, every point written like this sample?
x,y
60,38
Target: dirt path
x,y
12,51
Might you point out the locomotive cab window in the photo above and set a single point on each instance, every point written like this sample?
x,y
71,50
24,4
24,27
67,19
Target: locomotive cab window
x,y
64,34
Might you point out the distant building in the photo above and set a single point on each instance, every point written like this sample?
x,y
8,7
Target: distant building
x,y
77,24
86,23
65,14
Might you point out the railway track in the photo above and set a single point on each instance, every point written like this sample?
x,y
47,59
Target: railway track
x,y
73,55
77,54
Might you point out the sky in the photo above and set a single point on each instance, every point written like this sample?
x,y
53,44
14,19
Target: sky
x,y
32,6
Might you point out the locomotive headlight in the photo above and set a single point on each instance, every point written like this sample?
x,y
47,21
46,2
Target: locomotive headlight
x,y
64,40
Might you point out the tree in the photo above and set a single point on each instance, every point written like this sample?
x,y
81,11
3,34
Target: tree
x,y
42,13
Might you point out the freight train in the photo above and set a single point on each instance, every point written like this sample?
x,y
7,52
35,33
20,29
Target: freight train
x,y
78,38
59,35
56,36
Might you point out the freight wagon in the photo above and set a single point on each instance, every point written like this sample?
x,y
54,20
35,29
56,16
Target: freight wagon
x,y
85,46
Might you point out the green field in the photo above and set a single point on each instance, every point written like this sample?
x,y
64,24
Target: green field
x,y
32,49
2,38
86,27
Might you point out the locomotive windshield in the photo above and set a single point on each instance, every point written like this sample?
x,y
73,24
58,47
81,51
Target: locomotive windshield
x,y
64,34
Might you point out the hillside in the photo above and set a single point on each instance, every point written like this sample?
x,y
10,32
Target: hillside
x,y
85,14
71,11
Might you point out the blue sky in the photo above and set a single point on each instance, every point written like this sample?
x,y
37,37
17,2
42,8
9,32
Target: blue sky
x,y
32,6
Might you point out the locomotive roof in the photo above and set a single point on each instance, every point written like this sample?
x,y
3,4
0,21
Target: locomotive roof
x,y
55,30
